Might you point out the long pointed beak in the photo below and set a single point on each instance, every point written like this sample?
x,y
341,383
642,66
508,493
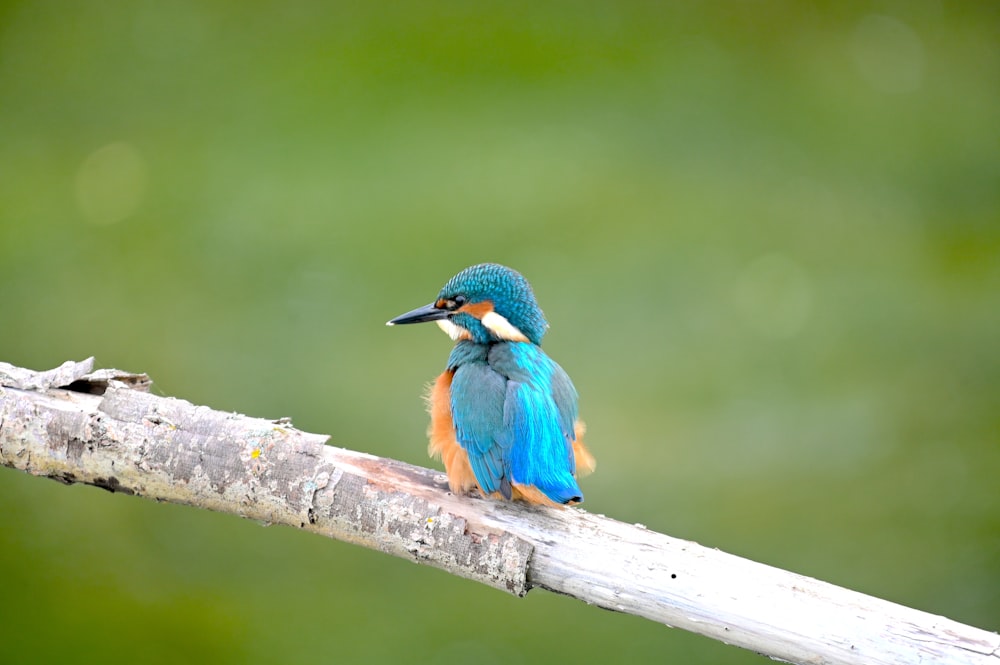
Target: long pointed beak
x,y
419,315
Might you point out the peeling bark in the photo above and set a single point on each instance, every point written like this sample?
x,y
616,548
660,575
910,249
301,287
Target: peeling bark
x,y
105,430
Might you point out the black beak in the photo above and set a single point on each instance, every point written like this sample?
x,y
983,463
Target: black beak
x,y
419,315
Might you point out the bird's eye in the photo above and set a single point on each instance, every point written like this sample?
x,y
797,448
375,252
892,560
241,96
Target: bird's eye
x,y
459,301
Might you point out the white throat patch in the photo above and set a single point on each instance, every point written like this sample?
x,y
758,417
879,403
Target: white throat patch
x,y
455,332
503,328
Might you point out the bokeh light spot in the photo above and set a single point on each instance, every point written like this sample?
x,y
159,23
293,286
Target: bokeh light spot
x,y
888,54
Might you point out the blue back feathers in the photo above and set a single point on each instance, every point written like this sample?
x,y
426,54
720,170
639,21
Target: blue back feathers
x,y
514,409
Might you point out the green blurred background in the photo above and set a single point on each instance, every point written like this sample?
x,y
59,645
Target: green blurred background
x,y
766,235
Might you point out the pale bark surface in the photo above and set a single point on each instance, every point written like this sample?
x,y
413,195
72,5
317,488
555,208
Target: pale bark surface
x,y
106,430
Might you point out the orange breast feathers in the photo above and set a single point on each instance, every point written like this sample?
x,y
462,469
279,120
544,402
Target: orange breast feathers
x,y
445,445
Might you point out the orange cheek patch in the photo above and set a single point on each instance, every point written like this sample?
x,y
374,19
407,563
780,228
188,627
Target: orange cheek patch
x,y
477,309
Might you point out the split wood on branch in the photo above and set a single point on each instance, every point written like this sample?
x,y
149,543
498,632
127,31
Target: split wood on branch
x,y
102,428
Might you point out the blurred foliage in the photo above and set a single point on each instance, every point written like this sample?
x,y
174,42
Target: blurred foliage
x,y
766,234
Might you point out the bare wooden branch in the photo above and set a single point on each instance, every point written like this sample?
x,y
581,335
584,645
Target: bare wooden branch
x,y
107,432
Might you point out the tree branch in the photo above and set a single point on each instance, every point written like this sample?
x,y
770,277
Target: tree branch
x,y
102,428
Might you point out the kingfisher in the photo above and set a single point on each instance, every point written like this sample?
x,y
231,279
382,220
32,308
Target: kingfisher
x,y
503,414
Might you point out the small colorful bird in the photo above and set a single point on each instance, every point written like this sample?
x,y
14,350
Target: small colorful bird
x,y
503,414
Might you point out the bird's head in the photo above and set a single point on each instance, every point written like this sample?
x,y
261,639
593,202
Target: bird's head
x,y
484,303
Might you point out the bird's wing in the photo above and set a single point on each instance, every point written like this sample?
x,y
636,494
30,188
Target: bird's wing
x,y
539,414
478,393
547,387
540,454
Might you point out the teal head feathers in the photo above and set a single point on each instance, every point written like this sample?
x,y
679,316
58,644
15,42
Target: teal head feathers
x,y
485,303
503,414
